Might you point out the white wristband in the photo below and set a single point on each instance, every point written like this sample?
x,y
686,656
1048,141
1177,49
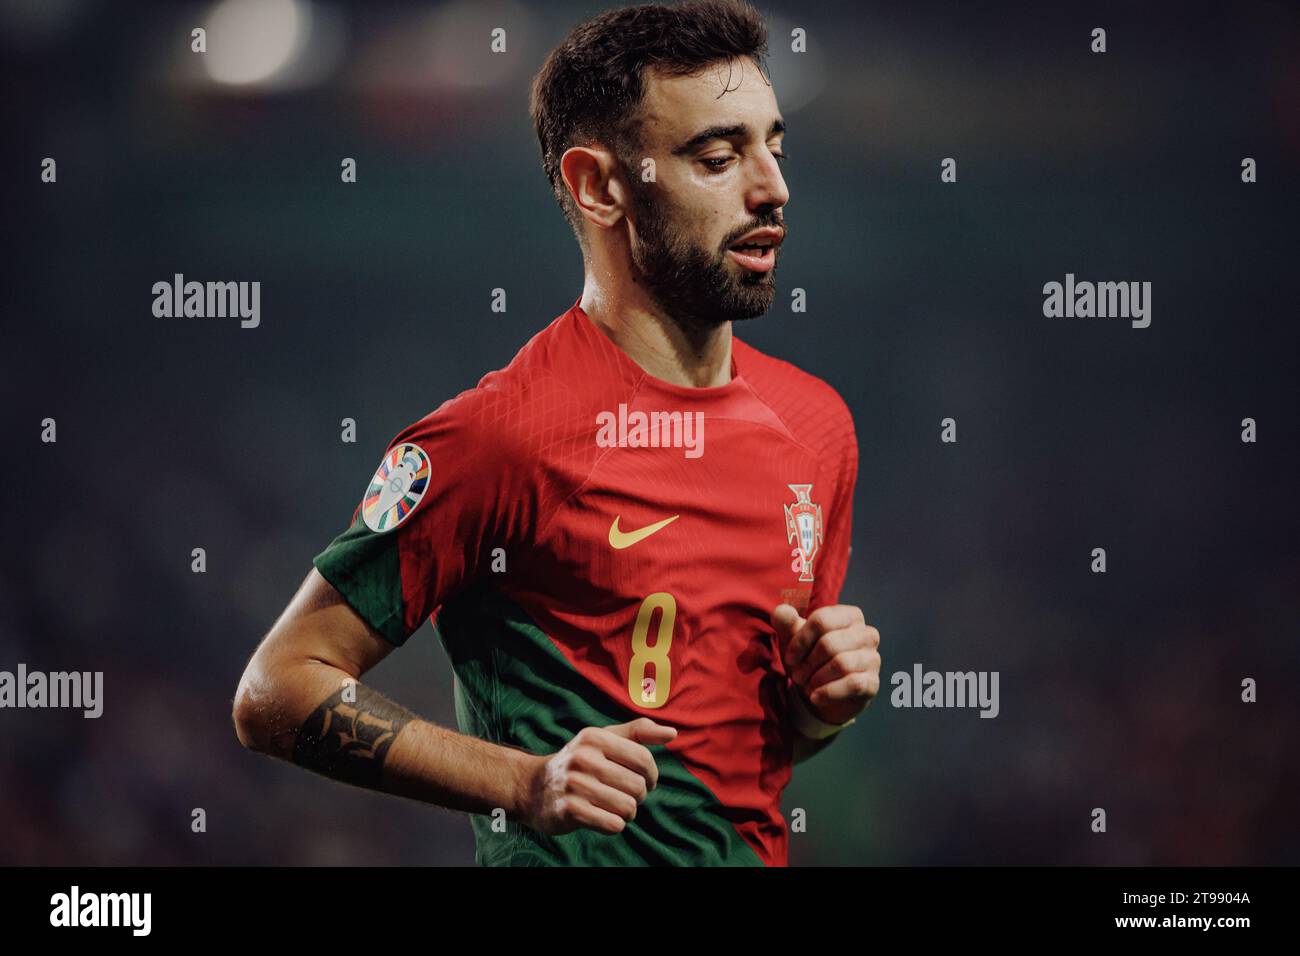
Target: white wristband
x,y
809,724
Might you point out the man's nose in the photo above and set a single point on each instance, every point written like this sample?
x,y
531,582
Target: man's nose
x,y
768,188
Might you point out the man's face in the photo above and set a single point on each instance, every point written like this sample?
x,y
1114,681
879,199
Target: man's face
x,y
715,138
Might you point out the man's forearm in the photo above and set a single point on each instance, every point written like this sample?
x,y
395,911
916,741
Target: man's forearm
x,y
440,766
357,735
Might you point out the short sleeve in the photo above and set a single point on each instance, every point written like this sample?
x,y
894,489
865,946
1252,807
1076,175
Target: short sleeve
x,y
442,499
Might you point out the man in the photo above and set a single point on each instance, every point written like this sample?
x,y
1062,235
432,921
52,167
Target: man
x,y
642,622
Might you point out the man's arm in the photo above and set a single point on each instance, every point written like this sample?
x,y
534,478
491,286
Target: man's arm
x,y
300,699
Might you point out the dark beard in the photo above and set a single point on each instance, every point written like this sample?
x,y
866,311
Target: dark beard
x,y
694,286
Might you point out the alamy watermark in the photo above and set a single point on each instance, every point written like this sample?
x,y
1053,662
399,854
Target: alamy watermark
x,y
1103,300
36,689
624,429
922,688
179,299
74,908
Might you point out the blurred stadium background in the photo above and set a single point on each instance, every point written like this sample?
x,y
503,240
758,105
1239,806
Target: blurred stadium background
x,y
1118,690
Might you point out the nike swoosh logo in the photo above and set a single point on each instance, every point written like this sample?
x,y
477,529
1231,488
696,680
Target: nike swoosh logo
x,y
625,539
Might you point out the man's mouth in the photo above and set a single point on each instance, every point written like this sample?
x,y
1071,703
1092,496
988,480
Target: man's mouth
x,y
756,250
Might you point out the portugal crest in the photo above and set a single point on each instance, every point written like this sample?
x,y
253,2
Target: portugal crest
x,y
397,487
803,529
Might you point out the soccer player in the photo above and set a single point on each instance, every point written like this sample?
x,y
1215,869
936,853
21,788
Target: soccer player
x,y
634,535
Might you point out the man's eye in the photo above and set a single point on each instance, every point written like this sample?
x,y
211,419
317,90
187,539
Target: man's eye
x,y
781,157
718,163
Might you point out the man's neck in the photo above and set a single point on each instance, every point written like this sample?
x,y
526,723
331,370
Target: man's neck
x,y
695,358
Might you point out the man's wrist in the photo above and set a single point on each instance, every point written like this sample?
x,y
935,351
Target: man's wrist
x,y
807,723
523,768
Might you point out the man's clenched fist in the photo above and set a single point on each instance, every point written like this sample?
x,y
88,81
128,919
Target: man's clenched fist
x,y
832,658
596,780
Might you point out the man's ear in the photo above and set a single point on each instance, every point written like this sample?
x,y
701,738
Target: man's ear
x,y
591,175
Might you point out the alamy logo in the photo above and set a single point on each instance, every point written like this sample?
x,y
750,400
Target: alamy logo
x,y
922,688
36,689
624,429
208,300
1103,300
103,909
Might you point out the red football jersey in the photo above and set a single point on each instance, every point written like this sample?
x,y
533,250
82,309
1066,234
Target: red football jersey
x,y
599,545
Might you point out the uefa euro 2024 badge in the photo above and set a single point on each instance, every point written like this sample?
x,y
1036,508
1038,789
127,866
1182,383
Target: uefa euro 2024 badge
x,y
398,485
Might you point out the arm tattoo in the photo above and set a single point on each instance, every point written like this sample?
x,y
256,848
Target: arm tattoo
x,y
350,741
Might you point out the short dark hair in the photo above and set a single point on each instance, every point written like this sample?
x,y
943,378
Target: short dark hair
x,y
590,88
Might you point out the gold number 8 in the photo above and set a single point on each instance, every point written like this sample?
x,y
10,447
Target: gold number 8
x,y
652,691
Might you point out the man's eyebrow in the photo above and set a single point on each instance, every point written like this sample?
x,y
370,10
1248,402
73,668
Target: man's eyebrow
x,y
724,132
